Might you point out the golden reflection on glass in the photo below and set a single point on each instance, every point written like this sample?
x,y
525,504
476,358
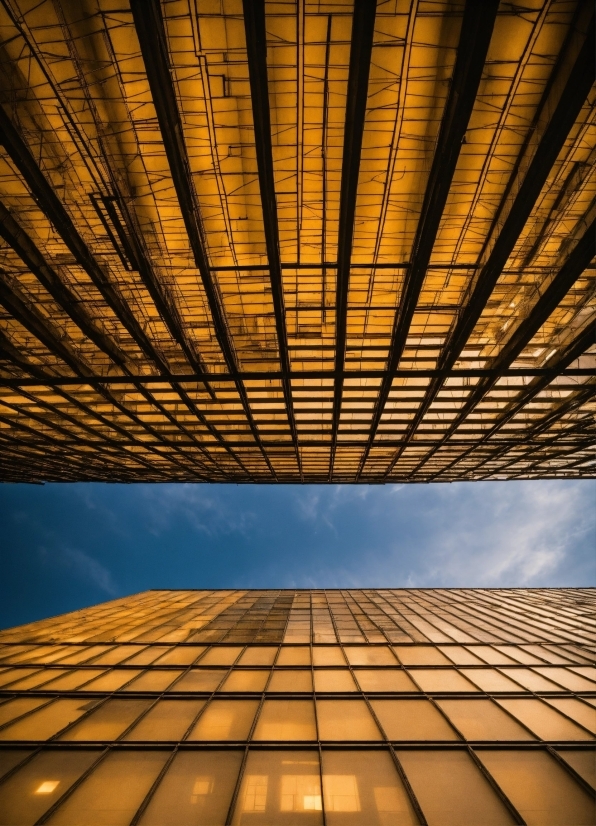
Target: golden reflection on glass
x,y
334,679
346,720
246,681
286,720
280,787
386,680
369,655
167,720
225,720
290,680
294,655
479,719
543,720
47,721
412,720
108,721
196,790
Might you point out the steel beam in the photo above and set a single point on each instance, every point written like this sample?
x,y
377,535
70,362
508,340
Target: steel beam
x,y
256,47
363,26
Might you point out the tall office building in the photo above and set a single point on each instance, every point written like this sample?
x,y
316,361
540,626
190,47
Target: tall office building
x,y
297,241
391,706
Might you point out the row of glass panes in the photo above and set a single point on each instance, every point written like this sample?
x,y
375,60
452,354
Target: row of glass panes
x,y
289,786
291,680
133,654
107,719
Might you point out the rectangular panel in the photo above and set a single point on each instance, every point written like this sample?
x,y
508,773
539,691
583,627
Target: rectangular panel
x,y
167,720
362,788
286,720
109,721
412,720
290,680
386,679
47,721
346,720
225,720
334,679
543,720
200,680
540,789
483,720
280,787
196,790
294,655
441,679
369,655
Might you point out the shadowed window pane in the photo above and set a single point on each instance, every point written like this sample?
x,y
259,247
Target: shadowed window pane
x,y
346,720
127,774
286,720
280,787
10,757
412,720
225,720
393,679
361,788
196,790
109,721
14,708
167,720
451,790
483,720
541,790
33,789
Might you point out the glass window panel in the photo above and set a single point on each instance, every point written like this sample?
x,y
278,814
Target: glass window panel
x,y
200,680
196,790
108,721
451,789
412,720
50,655
116,655
9,758
541,790
286,720
246,681
127,774
530,680
420,655
258,655
36,679
221,655
346,720
566,678
47,721
441,679
489,679
483,720
369,655
518,654
167,720
84,653
225,720
113,680
14,708
70,680
584,763
328,655
362,788
280,787
14,674
154,680
334,679
582,712
460,655
291,681
390,679
184,655
33,789
294,655
490,655
544,720
148,655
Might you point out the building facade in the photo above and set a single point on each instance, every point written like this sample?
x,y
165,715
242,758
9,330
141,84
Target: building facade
x,y
392,706
297,242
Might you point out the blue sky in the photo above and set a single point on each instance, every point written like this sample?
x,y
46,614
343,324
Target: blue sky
x,y
67,546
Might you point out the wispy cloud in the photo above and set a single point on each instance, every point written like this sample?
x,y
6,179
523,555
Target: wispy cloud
x,y
73,562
